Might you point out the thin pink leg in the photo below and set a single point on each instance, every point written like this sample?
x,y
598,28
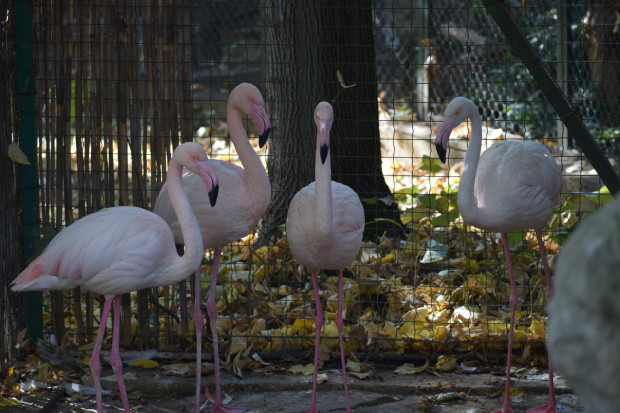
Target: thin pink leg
x,y
514,295
95,362
199,320
340,325
115,357
218,406
318,325
550,406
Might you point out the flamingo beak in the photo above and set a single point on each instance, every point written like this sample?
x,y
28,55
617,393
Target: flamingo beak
x,y
325,126
324,150
213,195
441,152
441,141
210,179
262,122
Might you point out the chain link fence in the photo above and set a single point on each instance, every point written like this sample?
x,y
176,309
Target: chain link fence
x,y
117,87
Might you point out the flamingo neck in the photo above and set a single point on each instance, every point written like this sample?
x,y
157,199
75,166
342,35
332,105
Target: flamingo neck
x,y
190,228
323,195
466,197
256,175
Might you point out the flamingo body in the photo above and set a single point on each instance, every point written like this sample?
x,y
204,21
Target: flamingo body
x,y
511,186
236,213
82,255
510,201
334,250
324,228
246,191
122,249
244,198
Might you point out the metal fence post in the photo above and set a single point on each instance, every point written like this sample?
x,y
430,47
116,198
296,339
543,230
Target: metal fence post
x,y
28,144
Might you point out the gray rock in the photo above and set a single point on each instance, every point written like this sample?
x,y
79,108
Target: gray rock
x,y
584,313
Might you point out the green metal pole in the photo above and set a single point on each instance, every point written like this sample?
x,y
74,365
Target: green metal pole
x,y
554,94
28,144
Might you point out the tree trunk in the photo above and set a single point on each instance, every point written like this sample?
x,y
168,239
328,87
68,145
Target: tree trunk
x,y
307,44
603,33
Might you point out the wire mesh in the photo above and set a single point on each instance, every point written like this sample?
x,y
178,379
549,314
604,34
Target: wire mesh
x,y
120,86
10,227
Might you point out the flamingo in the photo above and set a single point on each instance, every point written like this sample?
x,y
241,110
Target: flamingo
x,y
324,227
122,249
511,186
241,205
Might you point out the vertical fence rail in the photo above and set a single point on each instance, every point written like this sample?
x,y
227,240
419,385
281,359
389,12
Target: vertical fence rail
x,y
27,137
11,252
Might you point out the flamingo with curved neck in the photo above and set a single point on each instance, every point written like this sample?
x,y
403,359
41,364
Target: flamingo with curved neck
x,y
511,186
324,228
122,249
244,198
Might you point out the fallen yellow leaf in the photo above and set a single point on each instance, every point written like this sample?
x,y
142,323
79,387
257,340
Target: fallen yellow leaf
x,y
145,364
306,370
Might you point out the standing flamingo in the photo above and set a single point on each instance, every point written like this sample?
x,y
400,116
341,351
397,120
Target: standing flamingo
x,y
512,186
243,201
324,227
122,249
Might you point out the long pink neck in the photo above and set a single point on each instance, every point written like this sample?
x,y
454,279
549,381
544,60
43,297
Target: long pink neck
x,y
323,194
466,198
255,173
190,228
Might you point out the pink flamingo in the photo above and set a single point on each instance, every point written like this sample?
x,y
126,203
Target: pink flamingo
x,y
122,249
242,202
511,186
324,227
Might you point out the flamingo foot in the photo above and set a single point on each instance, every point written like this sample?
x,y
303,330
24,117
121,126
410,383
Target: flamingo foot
x,y
505,409
545,408
313,410
218,405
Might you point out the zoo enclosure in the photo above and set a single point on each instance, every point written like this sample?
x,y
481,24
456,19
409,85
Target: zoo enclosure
x,y
115,88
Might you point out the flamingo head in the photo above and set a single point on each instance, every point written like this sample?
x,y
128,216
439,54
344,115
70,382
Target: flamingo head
x,y
193,156
252,103
454,114
323,118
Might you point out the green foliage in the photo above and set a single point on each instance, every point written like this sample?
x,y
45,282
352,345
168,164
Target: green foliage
x,y
405,195
431,165
514,238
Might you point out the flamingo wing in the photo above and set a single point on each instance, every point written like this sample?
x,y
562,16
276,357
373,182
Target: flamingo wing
x,y
517,185
342,246
233,217
110,252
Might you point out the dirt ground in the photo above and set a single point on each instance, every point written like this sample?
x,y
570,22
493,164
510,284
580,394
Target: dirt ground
x,y
384,392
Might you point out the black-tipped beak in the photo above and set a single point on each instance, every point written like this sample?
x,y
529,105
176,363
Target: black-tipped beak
x,y
441,152
324,151
213,195
262,139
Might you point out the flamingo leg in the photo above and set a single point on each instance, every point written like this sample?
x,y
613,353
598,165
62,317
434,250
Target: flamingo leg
x,y
95,362
549,407
115,357
199,320
514,295
218,406
340,325
318,325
